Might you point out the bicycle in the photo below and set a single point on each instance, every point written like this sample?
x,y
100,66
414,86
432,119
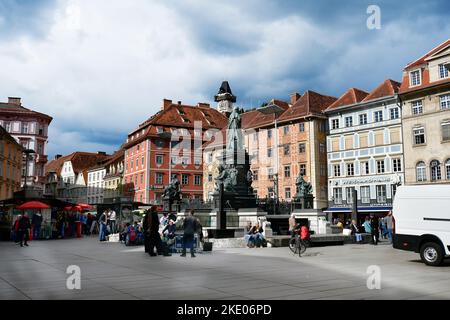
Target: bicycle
x,y
297,245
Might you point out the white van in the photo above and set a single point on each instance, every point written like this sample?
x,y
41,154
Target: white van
x,y
422,221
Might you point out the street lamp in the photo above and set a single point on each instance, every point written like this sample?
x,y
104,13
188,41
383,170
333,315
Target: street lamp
x,y
275,110
168,135
27,153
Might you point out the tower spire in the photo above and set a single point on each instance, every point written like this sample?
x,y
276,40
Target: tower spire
x,y
225,99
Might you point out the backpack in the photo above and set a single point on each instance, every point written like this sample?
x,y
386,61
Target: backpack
x,y
132,236
304,233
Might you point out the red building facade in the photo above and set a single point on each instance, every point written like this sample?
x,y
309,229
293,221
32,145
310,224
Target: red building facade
x,y
168,144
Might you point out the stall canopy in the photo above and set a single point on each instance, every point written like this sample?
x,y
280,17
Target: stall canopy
x,y
33,205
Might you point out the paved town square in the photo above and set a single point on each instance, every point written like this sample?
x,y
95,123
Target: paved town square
x,y
299,149
112,271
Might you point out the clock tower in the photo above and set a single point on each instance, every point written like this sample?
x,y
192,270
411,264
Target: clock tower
x,y
225,99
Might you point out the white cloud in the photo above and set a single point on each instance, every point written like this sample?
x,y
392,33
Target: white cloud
x,y
106,65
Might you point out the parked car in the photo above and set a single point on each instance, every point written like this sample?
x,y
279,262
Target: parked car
x,y
422,221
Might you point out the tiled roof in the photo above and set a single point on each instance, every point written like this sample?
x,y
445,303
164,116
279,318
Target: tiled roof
x,y
422,60
311,103
352,96
179,116
81,161
184,116
56,165
255,119
11,108
387,89
117,156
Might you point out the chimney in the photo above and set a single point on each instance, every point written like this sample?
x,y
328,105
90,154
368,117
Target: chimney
x,y
179,103
294,97
166,103
101,153
58,156
14,100
203,105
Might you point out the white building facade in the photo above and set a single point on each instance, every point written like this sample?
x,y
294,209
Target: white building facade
x,y
365,152
96,185
72,186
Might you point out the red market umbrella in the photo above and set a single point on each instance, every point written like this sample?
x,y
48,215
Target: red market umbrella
x,y
33,205
67,208
84,206
76,208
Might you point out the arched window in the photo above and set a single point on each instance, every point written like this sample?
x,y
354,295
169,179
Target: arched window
x,y
447,168
435,168
421,171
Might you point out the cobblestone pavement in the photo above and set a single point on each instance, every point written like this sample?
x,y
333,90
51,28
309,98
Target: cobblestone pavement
x,y
113,271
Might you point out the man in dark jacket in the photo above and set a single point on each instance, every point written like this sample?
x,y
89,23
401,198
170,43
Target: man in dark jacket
x,y
37,223
190,226
151,231
374,224
24,230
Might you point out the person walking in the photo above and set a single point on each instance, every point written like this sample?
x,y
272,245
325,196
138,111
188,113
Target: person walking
x,y
112,218
24,230
356,232
190,226
389,225
16,229
151,229
36,222
366,225
374,225
292,225
102,222
83,221
61,223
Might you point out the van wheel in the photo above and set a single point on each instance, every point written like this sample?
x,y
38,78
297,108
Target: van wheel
x,y
431,254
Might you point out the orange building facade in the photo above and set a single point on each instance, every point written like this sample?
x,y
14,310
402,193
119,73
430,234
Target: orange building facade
x,y
169,144
300,130
10,165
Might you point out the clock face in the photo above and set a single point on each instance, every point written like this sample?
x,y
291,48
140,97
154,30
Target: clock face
x,y
225,106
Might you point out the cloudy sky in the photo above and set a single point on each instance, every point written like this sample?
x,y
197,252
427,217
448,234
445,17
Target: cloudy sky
x,y
102,67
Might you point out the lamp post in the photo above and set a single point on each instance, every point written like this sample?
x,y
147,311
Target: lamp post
x,y
275,110
27,153
167,135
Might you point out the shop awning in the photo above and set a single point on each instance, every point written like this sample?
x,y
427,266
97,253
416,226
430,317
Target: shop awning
x,y
331,210
360,209
374,209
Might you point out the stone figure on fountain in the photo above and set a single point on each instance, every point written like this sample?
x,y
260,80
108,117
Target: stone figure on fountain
x,y
173,191
304,193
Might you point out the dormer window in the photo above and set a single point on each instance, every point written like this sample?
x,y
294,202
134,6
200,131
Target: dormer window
x,y
159,130
181,112
415,78
443,70
186,120
335,124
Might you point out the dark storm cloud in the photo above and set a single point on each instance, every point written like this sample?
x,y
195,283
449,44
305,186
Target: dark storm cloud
x,y
116,60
